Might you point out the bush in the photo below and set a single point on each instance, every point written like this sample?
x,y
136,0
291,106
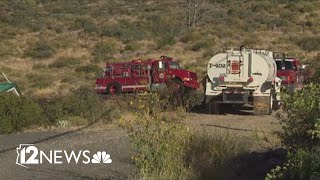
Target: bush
x,y
104,50
165,148
83,103
303,110
301,135
302,164
172,98
65,62
40,50
17,113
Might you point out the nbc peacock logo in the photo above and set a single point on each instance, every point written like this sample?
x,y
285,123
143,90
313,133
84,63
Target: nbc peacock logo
x,y
101,157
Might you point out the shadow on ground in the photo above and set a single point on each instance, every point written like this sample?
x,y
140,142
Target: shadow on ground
x,y
225,109
248,166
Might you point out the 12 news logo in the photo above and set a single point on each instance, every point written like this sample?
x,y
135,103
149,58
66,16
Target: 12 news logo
x,y
29,154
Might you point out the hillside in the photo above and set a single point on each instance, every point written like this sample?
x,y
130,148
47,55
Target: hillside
x,y
51,46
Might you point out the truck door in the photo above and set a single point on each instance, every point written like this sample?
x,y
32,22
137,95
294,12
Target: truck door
x,y
159,72
140,76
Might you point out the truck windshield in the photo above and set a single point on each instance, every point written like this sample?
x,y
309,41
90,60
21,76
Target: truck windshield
x,y
174,65
288,65
279,65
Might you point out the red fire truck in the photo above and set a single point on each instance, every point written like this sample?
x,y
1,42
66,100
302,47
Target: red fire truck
x,y
150,75
289,70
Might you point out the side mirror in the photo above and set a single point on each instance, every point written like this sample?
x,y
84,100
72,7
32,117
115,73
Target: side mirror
x,y
160,65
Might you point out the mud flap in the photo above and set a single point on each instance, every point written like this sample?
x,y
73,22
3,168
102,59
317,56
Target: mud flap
x,y
262,105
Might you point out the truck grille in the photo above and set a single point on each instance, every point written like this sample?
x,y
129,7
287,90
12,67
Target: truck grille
x,y
193,76
234,97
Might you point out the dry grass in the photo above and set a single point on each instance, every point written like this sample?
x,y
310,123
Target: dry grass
x,y
146,26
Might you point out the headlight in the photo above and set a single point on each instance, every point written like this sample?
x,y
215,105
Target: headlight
x,y
187,79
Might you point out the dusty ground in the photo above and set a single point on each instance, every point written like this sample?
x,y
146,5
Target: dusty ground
x,y
256,131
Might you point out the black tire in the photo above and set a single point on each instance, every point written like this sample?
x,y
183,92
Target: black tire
x,y
276,106
177,86
114,88
214,107
181,89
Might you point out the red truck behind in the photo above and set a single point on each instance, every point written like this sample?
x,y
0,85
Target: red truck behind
x,y
289,71
151,75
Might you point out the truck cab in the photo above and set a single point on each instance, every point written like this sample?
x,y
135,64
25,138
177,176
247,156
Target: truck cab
x,y
166,70
289,70
138,75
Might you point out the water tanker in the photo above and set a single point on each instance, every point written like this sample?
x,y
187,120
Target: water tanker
x,y
245,76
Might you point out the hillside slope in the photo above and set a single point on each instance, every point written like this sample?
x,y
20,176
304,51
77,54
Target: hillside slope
x,y
51,46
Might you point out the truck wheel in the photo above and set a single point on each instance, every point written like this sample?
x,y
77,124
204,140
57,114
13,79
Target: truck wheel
x,y
262,105
176,85
179,86
214,107
276,105
114,88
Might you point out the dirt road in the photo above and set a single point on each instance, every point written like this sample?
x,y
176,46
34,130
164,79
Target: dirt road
x,y
257,130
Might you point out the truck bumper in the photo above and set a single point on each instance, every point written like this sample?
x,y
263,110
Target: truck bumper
x,y
192,85
100,89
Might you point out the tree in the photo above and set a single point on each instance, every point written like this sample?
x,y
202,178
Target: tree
x,y
195,11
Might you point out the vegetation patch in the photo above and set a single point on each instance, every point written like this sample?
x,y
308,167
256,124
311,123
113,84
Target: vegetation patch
x,y
104,51
91,68
18,113
310,43
40,80
301,135
40,50
165,148
65,62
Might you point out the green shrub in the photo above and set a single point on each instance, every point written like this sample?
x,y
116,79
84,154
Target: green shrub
x,y
301,135
303,110
65,62
40,80
166,148
83,103
104,50
310,43
17,113
40,50
302,164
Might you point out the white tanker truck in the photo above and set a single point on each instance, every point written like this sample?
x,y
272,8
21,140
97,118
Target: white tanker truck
x,y
245,76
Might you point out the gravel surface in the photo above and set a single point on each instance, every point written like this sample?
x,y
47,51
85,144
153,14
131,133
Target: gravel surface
x,y
114,141
109,139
